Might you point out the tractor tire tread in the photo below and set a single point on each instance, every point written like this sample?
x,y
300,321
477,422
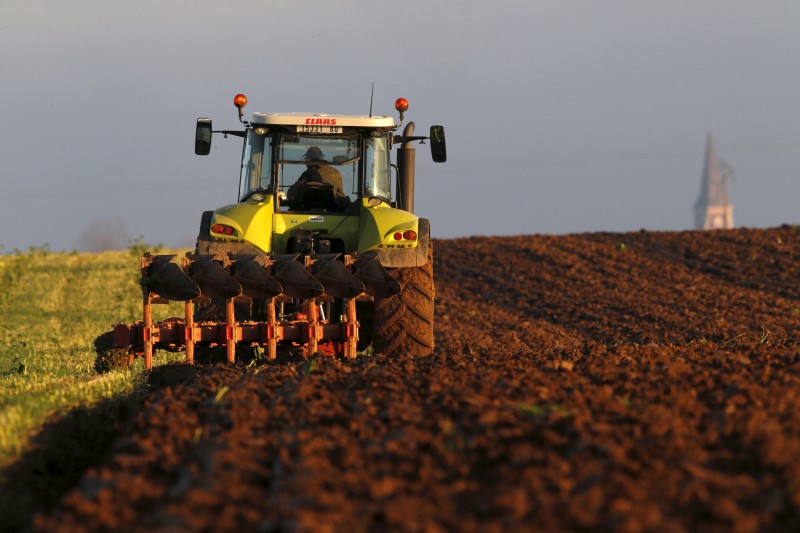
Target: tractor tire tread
x,y
403,323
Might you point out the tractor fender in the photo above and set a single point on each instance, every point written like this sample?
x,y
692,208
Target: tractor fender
x,y
206,245
408,257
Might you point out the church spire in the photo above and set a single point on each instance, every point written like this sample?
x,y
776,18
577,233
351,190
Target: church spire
x,y
713,209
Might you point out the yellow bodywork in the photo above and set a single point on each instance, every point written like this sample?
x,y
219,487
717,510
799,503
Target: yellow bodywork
x,y
257,223
252,222
379,224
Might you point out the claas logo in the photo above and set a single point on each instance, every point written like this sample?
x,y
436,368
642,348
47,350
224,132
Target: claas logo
x,y
321,121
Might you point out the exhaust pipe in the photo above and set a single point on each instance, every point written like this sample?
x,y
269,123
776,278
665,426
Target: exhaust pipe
x,y
406,161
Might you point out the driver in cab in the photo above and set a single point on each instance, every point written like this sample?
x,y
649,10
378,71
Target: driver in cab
x,y
317,175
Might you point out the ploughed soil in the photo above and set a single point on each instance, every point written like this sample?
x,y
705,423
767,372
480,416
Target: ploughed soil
x,y
605,381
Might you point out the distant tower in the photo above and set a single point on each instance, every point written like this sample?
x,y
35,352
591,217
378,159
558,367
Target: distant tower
x,y
713,210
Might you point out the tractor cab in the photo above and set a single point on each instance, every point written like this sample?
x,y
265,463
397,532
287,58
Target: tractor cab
x,y
316,163
323,170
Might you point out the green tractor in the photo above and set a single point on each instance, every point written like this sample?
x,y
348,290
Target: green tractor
x,y
317,256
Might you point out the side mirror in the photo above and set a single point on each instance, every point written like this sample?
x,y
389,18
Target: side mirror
x,y
202,136
438,147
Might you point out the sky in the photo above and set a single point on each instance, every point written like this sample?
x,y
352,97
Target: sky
x,y
561,116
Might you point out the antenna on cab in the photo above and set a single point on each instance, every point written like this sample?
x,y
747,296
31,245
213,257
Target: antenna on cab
x,y
371,96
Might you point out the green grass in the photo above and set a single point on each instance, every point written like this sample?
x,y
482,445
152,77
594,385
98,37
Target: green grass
x,y
52,306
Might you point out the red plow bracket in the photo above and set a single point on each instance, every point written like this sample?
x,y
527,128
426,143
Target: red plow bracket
x,y
243,279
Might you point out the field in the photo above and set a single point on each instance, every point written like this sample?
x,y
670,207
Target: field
x,y
52,306
626,382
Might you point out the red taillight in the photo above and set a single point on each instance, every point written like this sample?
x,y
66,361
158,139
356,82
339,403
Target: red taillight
x,y
222,229
409,235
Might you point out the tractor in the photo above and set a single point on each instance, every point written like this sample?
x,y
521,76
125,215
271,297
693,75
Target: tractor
x,y
318,256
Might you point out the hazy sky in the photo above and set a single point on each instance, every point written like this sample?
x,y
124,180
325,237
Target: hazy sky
x,y
561,116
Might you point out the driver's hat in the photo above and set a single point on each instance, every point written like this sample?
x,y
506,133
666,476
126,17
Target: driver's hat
x,y
314,154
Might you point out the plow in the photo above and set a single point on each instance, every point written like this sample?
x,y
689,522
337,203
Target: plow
x,y
316,257
294,297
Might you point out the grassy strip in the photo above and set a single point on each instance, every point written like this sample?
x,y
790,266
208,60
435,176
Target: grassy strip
x,y
57,456
52,306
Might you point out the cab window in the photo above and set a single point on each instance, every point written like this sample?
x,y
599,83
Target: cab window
x,y
317,173
256,165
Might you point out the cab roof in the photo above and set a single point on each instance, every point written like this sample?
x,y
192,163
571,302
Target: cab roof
x,y
323,119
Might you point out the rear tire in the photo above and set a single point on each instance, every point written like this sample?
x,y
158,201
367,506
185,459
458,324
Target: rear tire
x,y
403,323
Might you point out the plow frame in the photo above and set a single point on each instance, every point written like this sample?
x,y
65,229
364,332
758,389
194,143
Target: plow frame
x,y
305,329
